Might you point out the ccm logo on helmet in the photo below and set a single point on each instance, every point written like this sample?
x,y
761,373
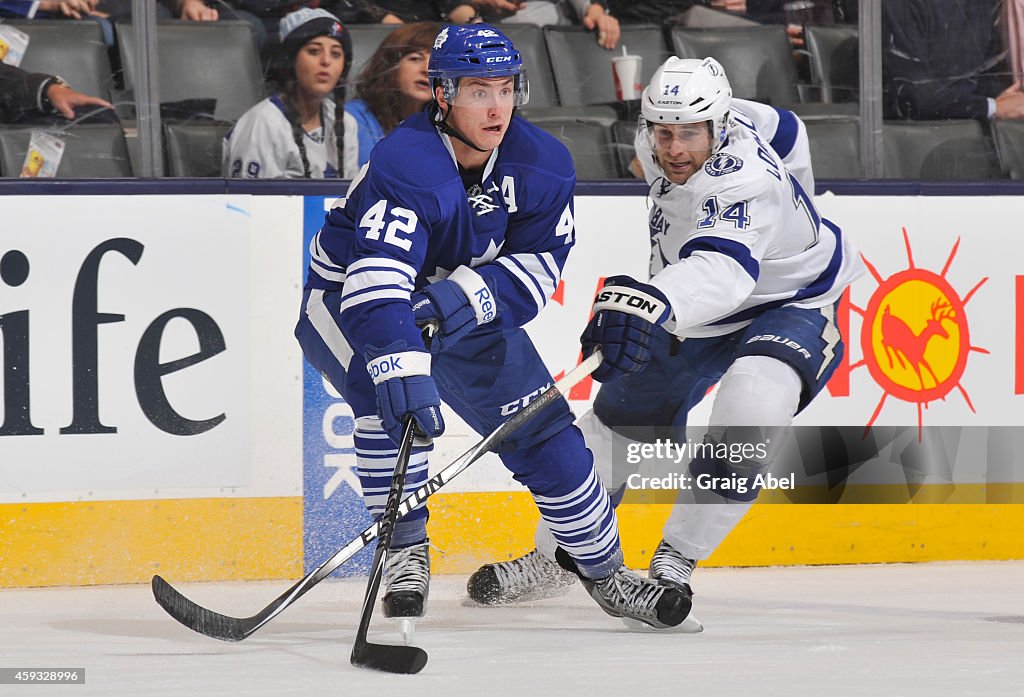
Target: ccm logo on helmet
x,y
499,59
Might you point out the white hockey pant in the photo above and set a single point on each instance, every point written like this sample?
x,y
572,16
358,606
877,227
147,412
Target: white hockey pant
x,y
755,390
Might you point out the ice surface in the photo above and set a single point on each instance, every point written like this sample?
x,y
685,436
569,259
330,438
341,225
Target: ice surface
x,y
888,630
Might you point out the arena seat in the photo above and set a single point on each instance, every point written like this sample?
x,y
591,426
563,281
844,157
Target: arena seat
x,y
835,148
758,60
623,136
365,40
937,150
834,55
90,151
73,49
583,70
202,60
600,113
529,41
1009,137
590,143
194,148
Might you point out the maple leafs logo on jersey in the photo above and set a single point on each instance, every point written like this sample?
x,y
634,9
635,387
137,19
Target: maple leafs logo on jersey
x,y
481,202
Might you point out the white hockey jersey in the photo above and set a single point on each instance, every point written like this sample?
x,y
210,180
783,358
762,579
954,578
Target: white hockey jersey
x,y
743,236
262,146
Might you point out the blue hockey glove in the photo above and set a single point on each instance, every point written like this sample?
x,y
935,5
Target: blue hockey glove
x,y
404,386
456,306
625,315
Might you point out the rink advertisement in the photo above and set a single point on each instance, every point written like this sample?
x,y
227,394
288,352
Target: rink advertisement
x,y
149,418
157,413
332,507
117,374
933,341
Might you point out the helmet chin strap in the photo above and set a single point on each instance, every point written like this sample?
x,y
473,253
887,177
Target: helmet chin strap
x,y
448,130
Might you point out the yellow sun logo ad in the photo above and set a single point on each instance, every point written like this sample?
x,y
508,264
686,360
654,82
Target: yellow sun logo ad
x,y
915,335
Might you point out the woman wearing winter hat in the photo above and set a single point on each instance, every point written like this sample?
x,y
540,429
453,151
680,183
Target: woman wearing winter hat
x,y
302,131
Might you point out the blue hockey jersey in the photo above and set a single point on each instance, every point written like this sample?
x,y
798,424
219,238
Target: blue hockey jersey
x,y
408,221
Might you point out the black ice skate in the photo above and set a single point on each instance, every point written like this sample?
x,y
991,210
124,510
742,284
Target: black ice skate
x,y
629,596
407,585
529,577
670,567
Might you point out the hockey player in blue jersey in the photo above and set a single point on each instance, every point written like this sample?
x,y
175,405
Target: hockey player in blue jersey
x,y
462,218
740,258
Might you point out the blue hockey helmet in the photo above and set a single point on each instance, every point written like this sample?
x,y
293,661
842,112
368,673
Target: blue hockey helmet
x,y
475,50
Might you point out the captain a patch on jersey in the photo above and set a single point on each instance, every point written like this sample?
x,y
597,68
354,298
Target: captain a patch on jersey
x,y
723,163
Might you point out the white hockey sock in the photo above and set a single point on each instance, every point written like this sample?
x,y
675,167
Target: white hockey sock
x,y
755,390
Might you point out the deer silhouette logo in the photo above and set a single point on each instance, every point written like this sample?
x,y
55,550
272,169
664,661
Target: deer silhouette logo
x,y
903,345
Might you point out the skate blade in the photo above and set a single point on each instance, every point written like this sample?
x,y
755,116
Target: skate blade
x,y
691,625
406,628
530,597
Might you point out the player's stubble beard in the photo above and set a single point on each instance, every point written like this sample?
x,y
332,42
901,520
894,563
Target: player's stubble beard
x,y
703,156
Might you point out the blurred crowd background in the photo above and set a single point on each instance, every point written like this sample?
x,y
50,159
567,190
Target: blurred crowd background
x,y
900,89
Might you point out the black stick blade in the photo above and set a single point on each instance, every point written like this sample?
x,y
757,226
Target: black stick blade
x,y
387,658
198,618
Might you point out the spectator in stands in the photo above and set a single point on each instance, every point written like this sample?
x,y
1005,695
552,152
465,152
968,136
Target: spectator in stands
x,y
25,97
664,11
402,11
592,14
393,84
201,11
944,59
271,12
105,12
377,11
303,130
796,14
32,9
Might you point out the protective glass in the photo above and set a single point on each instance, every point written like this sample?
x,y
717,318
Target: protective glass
x,y
506,91
694,137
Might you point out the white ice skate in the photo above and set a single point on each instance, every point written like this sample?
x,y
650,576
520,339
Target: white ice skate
x,y
636,599
407,586
529,577
670,567
633,598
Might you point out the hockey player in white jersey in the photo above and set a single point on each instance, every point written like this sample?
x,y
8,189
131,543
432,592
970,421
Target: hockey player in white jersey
x,y
740,258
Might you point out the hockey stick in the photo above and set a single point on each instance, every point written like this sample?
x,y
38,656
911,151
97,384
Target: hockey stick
x,y
387,657
227,628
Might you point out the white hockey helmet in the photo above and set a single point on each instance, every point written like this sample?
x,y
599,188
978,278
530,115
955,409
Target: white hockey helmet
x,y
689,90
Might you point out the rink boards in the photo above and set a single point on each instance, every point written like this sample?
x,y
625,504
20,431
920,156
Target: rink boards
x,y
158,416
